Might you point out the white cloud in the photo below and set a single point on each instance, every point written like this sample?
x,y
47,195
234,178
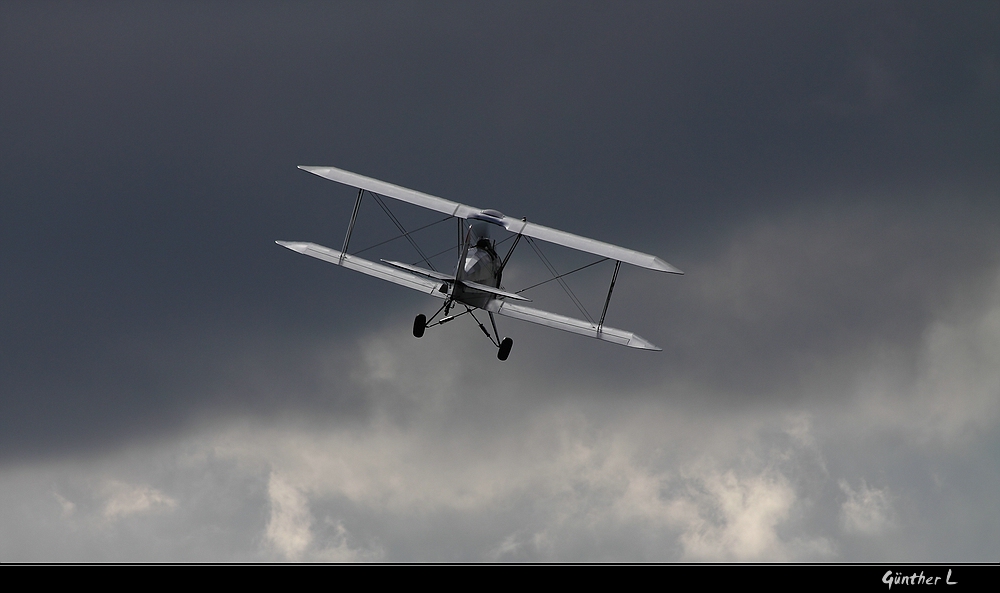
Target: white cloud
x,y
338,550
288,529
867,511
122,500
580,479
68,507
726,518
575,480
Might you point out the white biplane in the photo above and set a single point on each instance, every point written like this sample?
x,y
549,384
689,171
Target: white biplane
x,y
475,284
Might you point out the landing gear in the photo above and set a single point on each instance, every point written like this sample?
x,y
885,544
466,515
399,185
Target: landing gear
x,y
505,347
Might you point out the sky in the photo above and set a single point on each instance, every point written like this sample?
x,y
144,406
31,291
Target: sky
x,y
176,387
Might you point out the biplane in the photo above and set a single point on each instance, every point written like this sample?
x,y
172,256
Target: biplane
x,y
476,282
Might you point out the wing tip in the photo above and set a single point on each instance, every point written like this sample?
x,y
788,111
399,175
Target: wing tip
x,y
637,341
665,267
294,245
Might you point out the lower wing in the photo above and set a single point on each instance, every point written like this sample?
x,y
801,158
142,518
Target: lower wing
x,y
576,326
432,287
383,272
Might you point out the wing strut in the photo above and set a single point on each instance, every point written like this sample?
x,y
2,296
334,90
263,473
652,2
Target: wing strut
x,y
503,264
493,321
350,226
607,301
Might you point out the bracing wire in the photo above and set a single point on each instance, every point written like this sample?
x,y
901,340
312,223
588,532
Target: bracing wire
x,y
399,226
426,226
557,277
593,263
446,250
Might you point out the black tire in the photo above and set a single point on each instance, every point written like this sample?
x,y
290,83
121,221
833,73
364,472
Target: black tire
x,y
505,347
419,325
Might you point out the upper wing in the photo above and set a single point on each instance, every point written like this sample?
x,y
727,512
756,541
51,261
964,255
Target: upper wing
x,y
514,225
393,191
395,275
629,256
576,326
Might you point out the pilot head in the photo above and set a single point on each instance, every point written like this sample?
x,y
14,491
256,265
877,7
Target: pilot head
x,y
481,230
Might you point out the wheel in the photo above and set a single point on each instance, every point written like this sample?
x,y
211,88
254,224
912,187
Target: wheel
x,y
419,325
505,347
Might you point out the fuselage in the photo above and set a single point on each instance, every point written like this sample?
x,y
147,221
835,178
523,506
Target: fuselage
x,y
482,265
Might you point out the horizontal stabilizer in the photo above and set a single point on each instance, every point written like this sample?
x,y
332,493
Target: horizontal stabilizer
x,y
492,290
446,278
421,271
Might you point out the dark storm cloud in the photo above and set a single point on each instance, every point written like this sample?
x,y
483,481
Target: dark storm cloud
x,y
149,156
827,176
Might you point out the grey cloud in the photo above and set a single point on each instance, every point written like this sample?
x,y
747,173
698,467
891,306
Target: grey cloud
x,y
447,467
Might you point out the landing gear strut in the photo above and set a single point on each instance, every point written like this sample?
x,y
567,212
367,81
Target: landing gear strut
x,y
503,346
